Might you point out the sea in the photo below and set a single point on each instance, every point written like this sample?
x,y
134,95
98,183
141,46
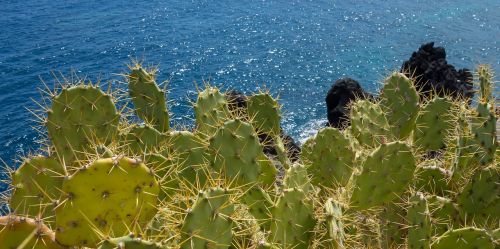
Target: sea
x,y
296,49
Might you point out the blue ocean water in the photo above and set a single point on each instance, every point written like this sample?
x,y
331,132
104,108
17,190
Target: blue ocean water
x,y
297,49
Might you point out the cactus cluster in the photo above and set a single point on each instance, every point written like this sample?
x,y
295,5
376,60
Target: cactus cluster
x,y
407,173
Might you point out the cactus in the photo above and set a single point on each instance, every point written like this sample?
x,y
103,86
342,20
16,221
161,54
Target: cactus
x,y
444,214
110,196
333,211
330,165
464,238
264,114
293,220
259,204
149,100
79,117
142,139
368,123
400,103
36,187
21,232
433,179
389,161
484,133
296,177
481,197
434,125
128,242
236,153
208,223
211,111
419,232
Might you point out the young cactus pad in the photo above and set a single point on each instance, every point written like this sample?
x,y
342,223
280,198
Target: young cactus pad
x,y
400,102
211,111
149,100
20,232
79,117
36,186
368,123
392,161
111,196
208,223
434,125
264,112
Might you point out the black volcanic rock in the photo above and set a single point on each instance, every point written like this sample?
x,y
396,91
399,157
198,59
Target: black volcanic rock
x,y
432,71
339,96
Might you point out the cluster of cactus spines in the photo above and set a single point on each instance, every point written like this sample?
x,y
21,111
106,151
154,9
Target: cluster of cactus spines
x,y
22,232
368,123
80,116
208,223
419,222
330,164
402,175
36,187
400,103
149,100
393,161
113,195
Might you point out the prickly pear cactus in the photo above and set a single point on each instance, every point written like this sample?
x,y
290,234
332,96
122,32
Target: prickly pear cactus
x,y
393,161
434,125
112,196
433,179
142,139
21,232
293,220
368,123
236,153
211,111
260,205
36,187
330,158
333,211
149,100
481,197
208,223
464,238
419,221
128,242
400,102
296,177
79,117
264,113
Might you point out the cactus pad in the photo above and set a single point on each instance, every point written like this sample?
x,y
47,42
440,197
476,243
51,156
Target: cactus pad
x,y
143,139
128,242
433,179
111,195
368,123
333,212
211,111
264,112
464,238
393,161
259,204
434,125
400,102
79,117
296,177
331,158
37,185
149,100
208,223
20,232
419,221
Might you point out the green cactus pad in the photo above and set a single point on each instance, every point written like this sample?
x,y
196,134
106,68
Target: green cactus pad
x,y
296,177
211,111
259,204
36,187
464,238
434,125
444,214
331,158
368,123
333,212
236,152
400,102
433,179
419,222
264,112
128,242
111,195
392,161
208,223
293,220
149,100
79,117
20,232
484,132
142,139
480,196
485,82
393,226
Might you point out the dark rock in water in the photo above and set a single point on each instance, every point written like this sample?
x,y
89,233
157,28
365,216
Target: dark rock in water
x,y
237,101
431,70
339,96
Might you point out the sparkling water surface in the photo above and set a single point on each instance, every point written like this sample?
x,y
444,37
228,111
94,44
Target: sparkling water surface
x,y
297,49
